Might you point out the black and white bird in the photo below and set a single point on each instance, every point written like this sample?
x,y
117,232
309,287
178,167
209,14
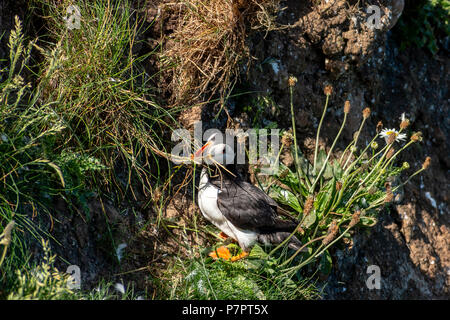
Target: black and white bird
x,y
240,210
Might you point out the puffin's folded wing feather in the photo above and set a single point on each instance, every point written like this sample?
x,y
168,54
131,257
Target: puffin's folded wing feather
x,y
248,207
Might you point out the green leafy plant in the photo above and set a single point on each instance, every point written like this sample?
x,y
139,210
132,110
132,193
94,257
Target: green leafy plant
x,y
98,86
257,278
329,196
424,23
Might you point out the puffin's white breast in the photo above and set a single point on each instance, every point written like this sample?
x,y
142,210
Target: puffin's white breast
x,y
207,201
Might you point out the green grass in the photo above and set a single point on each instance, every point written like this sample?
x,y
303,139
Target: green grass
x,y
333,198
101,90
82,120
257,277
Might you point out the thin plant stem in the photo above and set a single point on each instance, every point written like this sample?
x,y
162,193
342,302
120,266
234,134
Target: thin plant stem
x,y
389,161
318,133
294,131
301,248
404,183
356,141
311,189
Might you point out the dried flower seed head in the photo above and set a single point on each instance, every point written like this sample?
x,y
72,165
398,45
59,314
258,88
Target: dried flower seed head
x,y
404,124
292,81
353,149
405,165
355,219
372,190
308,206
426,163
389,196
157,195
390,153
379,126
331,234
390,139
374,145
417,137
328,90
7,233
338,185
347,106
366,113
287,139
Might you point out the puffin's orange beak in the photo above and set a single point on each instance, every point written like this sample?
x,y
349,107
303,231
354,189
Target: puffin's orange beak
x,y
200,151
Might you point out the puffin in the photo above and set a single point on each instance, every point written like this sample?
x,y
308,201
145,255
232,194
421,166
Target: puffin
x,y
242,211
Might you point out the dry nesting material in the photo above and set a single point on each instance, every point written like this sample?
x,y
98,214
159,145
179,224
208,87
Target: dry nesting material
x,y
209,42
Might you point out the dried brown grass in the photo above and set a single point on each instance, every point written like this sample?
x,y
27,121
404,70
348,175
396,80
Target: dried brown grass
x,y
209,42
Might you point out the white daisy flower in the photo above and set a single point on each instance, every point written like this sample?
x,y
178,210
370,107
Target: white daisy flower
x,y
385,133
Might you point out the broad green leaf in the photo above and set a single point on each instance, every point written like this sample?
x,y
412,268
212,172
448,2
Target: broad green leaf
x,y
326,263
337,170
309,219
286,197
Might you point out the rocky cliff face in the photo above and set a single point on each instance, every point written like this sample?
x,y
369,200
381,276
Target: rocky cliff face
x,y
331,43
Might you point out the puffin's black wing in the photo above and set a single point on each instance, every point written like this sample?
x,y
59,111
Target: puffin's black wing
x,y
248,207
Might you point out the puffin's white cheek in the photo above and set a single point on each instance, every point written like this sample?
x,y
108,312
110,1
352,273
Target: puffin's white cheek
x,y
211,159
214,158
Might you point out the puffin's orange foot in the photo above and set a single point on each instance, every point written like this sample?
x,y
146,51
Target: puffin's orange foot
x,y
240,256
221,252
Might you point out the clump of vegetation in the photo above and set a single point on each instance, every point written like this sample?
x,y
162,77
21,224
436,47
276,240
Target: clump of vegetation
x,y
331,199
88,114
209,42
254,278
98,87
44,282
425,24
28,177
